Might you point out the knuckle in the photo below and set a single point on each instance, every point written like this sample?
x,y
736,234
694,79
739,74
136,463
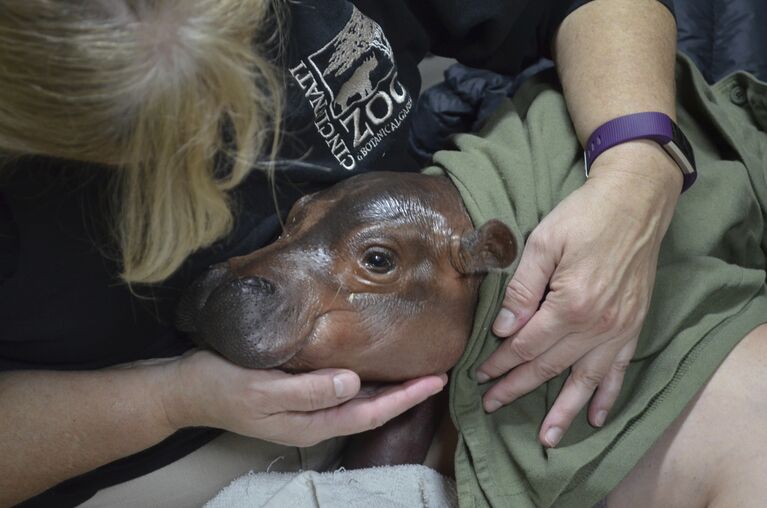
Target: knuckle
x,y
578,310
538,240
492,367
565,413
521,350
375,421
627,328
621,365
518,293
635,322
608,320
505,392
547,370
314,396
588,378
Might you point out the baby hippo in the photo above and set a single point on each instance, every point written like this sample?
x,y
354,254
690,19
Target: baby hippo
x,y
378,274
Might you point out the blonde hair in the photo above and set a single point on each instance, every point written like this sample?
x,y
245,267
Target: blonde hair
x,y
158,89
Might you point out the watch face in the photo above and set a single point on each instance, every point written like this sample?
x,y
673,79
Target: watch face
x,y
679,157
683,149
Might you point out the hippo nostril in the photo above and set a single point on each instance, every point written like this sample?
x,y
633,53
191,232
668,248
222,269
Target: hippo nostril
x,y
242,320
259,284
196,295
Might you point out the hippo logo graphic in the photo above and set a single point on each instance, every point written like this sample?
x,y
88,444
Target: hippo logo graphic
x,y
358,85
352,87
354,62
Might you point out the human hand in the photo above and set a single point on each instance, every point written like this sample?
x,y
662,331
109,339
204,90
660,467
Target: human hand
x,y
597,252
203,389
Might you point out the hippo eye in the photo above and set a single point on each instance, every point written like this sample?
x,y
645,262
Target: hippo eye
x,y
378,261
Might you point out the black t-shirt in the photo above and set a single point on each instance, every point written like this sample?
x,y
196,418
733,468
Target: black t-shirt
x,y
352,76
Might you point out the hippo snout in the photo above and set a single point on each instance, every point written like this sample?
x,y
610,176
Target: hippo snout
x,y
258,284
196,295
235,316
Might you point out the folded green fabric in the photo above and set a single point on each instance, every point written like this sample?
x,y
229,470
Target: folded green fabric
x,y
710,290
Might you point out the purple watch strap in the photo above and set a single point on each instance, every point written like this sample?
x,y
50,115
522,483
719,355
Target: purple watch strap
x,y
654,126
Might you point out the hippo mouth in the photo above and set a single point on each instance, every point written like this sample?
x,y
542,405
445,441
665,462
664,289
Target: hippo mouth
x,y
245,319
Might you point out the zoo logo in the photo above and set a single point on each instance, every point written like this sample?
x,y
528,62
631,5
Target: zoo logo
x,y
351,84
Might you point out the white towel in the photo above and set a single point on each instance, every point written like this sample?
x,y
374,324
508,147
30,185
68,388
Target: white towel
x,y
409,486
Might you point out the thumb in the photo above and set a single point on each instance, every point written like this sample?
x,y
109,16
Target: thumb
x,y
526,288
311,391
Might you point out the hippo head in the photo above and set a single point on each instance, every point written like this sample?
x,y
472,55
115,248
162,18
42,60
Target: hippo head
x,y
378,274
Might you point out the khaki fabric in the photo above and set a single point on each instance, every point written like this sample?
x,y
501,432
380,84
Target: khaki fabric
x,y
710,290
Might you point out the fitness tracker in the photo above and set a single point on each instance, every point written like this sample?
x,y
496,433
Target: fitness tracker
x,y
654,126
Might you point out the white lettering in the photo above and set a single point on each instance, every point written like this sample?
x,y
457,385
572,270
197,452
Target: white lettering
x,y
327,130
314,93
389,108
400,95
359,136
301,80
335,143
348,162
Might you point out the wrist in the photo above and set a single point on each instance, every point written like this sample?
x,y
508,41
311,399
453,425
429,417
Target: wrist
x,y
643,163
654,126
172,407
641,180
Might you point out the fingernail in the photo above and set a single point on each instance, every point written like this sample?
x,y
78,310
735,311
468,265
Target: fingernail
x,y
482,377
552,437
344,385
504,323
492,405
436,390
600,418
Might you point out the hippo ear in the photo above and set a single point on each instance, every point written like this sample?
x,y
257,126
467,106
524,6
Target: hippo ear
x,y
479,251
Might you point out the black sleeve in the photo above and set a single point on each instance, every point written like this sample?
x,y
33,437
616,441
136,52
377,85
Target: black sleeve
x,y
500,35
9,249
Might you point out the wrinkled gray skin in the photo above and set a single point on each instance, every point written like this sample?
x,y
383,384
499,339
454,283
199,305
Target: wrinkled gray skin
x,y
378,274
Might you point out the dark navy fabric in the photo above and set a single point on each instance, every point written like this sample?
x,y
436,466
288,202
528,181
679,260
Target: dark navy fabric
x,y
460,103
9,242
724,36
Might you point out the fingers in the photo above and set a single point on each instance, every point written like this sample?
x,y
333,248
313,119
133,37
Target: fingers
x,y
528,376
610,387
307,392
600,370
525,290
544,366
362,414
543,331
586,375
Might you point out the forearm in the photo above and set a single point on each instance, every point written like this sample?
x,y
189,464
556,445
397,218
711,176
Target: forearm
x,y
599,246
56,425
616,57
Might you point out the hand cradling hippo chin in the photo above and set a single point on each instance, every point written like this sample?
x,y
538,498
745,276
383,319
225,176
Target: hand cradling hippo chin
x,y
378,274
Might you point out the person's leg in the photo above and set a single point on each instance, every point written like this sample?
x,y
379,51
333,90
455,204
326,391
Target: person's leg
x,y
714,453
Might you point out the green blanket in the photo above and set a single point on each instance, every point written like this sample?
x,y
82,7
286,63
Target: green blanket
x,y
710,290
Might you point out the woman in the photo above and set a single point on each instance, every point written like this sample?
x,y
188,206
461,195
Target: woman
x,y
131,129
